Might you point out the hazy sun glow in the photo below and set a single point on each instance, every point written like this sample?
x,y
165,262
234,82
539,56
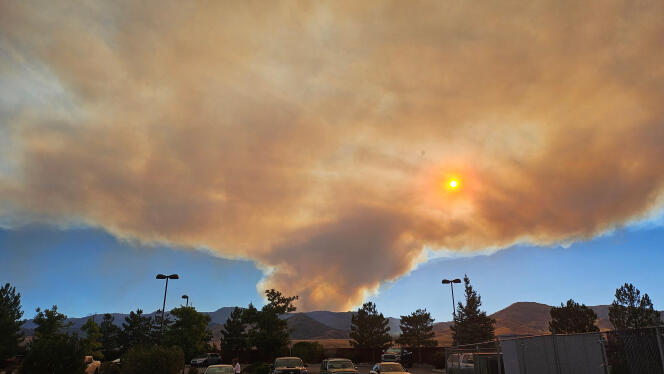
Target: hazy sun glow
x,y
453,183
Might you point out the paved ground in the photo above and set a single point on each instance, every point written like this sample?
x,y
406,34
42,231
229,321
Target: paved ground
x,y
364,369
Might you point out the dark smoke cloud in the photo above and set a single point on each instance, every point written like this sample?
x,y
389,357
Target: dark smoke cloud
x,y
315,138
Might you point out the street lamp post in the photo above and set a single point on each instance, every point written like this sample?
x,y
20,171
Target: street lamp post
x,y
451,283
163,308
186,297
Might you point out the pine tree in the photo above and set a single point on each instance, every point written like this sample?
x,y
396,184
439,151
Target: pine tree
x,y
136,329
417,331
110,337
189,331
470,324
572,319
630,310
10,322
369,329
91,343
234,336
267,331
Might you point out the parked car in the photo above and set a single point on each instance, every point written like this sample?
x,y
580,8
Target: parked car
x,y
288,365
399,355
460,363
338,366
91,365
206,360
219,369
388,367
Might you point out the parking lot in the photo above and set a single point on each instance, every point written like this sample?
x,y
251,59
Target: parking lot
x,y
364,369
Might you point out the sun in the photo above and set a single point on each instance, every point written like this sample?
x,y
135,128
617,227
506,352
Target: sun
x,y
453,183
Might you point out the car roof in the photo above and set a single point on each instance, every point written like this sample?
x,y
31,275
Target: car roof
x,y
338,359
283,358
220,366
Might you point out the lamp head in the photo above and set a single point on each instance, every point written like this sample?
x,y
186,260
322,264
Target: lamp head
x,y
161,276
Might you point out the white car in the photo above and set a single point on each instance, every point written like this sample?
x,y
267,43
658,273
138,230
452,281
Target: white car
x,y
219,369
388,367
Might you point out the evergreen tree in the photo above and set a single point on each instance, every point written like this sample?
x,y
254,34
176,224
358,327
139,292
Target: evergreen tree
x,y
189,331
49,322
234,336
136,329
471,325
110,337
267,332
10,322
91,343
370,329
572,318
630,310
417,331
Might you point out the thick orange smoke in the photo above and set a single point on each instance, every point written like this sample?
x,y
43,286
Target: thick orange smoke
x,y
313,138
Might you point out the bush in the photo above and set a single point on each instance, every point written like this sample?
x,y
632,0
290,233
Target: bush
x,y
439,360
309,351
192,370
54,354
109,368
153,359
260,368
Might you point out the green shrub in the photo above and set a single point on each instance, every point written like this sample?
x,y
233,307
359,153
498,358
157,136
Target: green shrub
x,y
309,351
109,368
56,354
257,368
153,359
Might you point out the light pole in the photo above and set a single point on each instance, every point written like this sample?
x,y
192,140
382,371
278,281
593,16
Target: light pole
x,y
451,283
186,297
163,308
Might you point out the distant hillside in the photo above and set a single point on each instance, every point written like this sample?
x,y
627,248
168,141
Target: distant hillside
x,y
305,327
342,320
522,318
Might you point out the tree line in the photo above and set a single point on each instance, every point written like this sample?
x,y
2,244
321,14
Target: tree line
x,y
142,340
185,331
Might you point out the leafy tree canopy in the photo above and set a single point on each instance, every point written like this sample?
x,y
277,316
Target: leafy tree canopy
x,y
572,318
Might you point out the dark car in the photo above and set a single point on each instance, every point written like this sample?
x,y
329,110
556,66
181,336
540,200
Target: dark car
x,y
288,365
206,360
338,366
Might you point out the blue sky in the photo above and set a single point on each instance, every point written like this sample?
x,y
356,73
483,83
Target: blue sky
x,y
86,270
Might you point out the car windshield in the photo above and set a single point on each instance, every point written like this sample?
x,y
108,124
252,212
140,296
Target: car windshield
x,y
393,350
220,370
391,367
389,355
341,364
288,362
